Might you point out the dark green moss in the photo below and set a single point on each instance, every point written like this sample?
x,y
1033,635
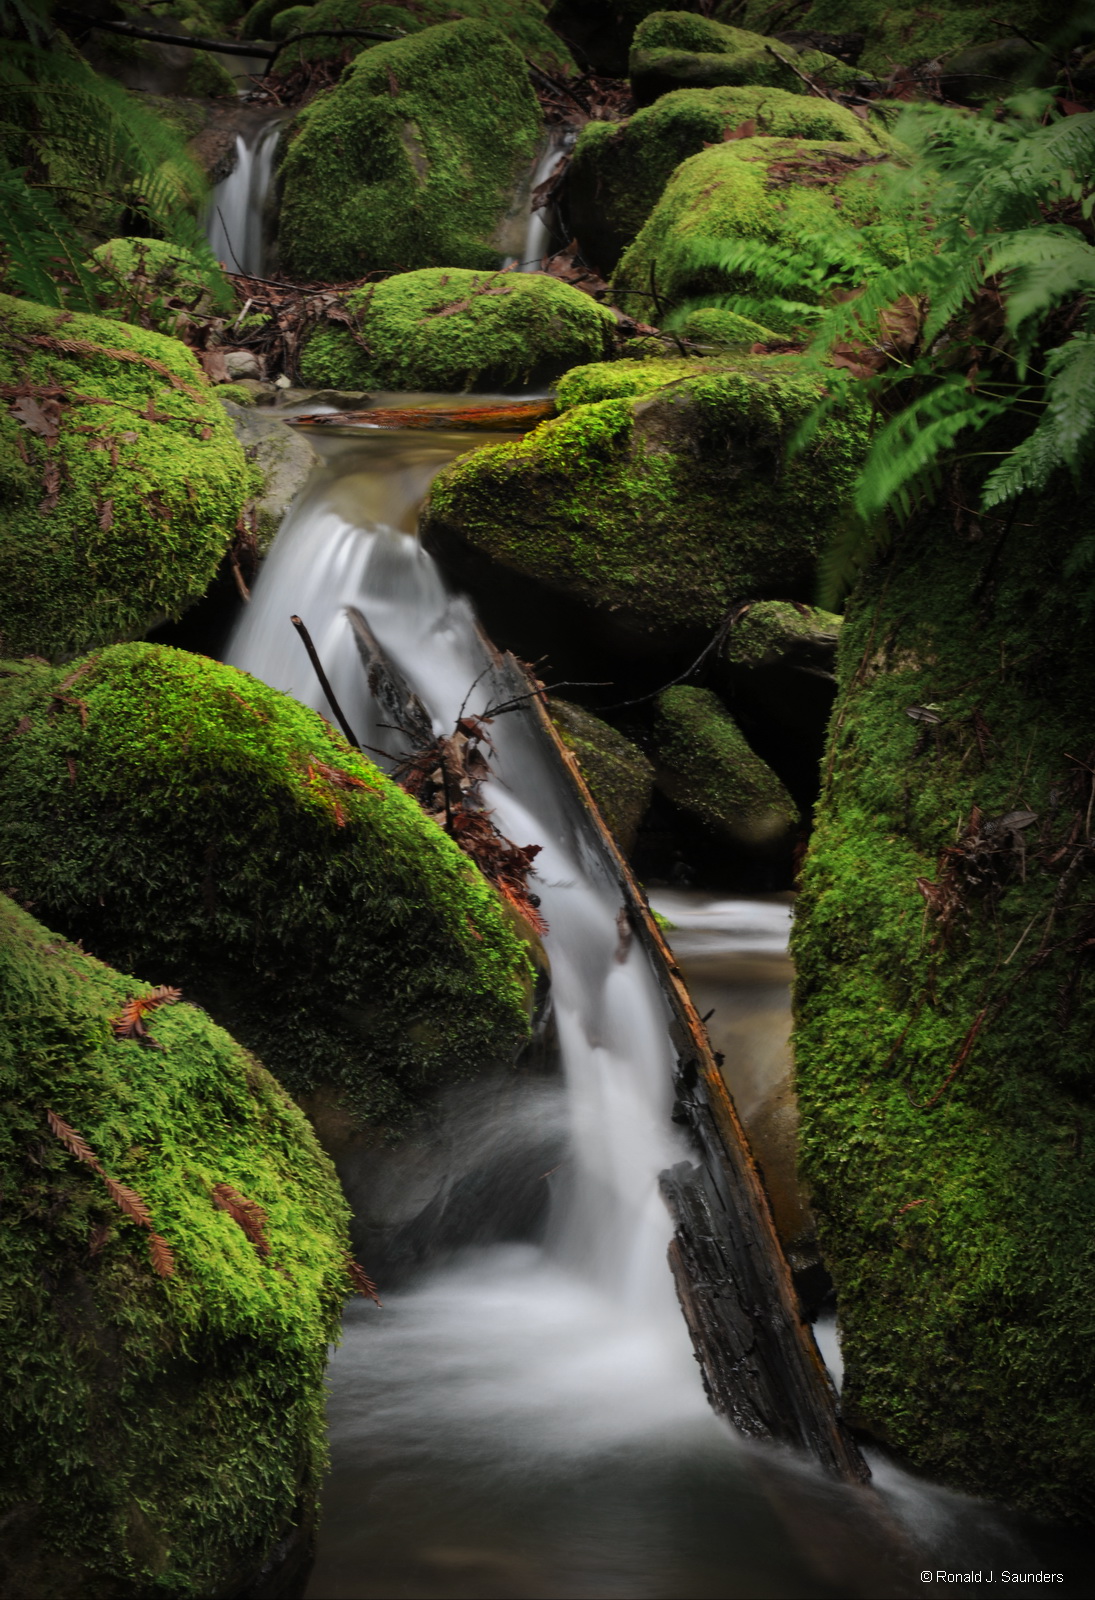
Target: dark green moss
x,y
522,22
158,1435
656,513
953,1172
412,160
680,50
620,778
773,632
176,814
776,192
447,329
149,482
705,765
619,170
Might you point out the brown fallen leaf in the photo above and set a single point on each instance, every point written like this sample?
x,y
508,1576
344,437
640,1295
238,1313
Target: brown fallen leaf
x,y
42,417
129,1023
51,483
744,130
106,515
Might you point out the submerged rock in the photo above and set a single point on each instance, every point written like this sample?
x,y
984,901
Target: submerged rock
x,y
762,192
160,1433
194,825
120,480
619,170
447,329
705,766
412,160
678,50
632,525
945,1007
620,778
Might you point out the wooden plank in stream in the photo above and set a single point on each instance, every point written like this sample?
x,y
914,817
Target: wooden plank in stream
x,y
516,418
761,1366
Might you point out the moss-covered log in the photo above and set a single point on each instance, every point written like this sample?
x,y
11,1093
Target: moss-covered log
x,y
199,828
412,160
121,482
160,1434
946,1004
620,778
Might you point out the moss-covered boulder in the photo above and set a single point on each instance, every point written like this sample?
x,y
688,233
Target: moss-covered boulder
x,y
814,198
120,480
620,169
412,160
448,329
153,284
600,31
162,1426
635,523
522,21
620,778
679,50
945,1008
196,826
705,765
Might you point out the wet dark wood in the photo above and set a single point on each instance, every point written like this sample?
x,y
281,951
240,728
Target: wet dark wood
x,y
516,418
399,705
761,1366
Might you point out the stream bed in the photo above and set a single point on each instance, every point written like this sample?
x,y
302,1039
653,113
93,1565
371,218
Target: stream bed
x,y
525,1418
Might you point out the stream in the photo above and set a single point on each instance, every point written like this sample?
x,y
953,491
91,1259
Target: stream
x,y
525,1417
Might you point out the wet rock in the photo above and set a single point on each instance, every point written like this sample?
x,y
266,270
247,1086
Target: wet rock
x,y
765,191
112,1462
619,170
412,160
676,50
628,527
241,364
705,766
205,830
283,456
446,329
993,70
619,776
104,530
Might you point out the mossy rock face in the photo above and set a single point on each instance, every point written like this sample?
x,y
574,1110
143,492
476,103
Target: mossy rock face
x,y
908,32
196,826
159,1435
411,161
773,191
619,170
292,20
522,22
774,633
645,519
679,50
259,20
620,778
448,329
600,31
208,79
154,284
944,1064
118,500
705,765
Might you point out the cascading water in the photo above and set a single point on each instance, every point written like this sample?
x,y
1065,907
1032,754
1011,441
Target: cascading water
x,y
538,234
527,1419
234,220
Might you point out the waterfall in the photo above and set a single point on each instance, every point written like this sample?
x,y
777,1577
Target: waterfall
x,y
234,220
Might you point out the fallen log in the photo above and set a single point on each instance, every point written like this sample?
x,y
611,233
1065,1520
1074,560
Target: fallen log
x,y
761,1366
516,418
398,703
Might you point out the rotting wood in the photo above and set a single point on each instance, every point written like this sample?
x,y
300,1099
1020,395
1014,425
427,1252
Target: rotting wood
x,y
761,1366
515,418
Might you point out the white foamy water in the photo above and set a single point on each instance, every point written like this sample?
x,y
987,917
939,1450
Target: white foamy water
x,y
233,223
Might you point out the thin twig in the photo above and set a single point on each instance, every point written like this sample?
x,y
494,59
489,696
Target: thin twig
x,y
306,637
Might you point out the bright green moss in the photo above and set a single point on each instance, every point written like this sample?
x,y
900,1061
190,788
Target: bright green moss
x,y
620,380
619,776
619,170
412,160
451,329
722,329
657,513
158,1435
152,283
955,1220
680,50
522,22
149,482
188,833
705,765
776,192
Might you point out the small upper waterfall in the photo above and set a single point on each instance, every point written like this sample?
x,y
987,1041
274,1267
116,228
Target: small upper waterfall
x,y
234,220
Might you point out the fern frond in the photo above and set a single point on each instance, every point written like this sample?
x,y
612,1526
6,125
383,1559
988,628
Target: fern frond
x,y
905,455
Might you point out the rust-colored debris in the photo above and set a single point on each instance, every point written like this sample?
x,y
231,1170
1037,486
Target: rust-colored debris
x,y
515,418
